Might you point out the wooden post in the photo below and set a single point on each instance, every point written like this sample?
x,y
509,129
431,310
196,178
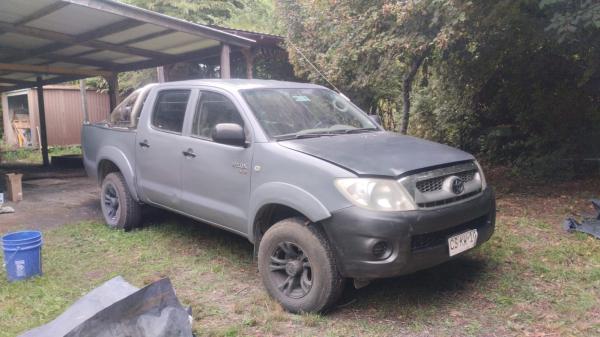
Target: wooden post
x,y
225,61
113,91
42,114
84,105
160,74
249,57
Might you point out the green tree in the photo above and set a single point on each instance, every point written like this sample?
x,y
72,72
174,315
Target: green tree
x,y
495,77
205,12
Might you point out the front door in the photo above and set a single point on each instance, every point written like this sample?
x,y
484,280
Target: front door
x,y
216,177
158,141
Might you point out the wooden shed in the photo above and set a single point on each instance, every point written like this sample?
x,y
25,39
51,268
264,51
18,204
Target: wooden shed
x,y
64,115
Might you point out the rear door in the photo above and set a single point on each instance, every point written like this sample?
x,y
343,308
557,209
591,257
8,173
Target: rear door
x,y
216,177
159,139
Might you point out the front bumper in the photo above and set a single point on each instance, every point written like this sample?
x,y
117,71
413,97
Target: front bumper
x,y
417,239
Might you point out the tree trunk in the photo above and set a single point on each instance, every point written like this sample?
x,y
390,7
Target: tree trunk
x,y
406,89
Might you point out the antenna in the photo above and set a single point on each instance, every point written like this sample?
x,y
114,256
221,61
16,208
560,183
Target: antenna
x,y
315,68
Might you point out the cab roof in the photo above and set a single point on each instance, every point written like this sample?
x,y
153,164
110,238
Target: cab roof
x,y
242,84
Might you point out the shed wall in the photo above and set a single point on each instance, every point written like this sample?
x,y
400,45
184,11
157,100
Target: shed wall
x,y
64,115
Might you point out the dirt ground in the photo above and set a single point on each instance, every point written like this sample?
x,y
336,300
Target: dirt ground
x,y
50,199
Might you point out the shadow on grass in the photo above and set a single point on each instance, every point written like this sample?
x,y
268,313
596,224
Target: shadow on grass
x,y
424,291
196,230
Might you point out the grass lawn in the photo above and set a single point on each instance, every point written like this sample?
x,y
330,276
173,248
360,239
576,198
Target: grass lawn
x,y
531,279
34,156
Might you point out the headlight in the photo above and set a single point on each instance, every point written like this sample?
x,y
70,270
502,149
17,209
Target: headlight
x,y
483,182
375,194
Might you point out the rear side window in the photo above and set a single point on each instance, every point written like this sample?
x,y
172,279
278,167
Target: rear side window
x,y
121,116
169,111
214,109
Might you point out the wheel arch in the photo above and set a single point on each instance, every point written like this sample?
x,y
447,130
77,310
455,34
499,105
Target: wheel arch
x,y
111,159
273,202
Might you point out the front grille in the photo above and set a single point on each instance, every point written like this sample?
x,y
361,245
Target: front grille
x,y
448,201
429,240
435,184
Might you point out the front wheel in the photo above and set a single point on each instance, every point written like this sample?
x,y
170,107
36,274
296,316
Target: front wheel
x,y
119,209
298,268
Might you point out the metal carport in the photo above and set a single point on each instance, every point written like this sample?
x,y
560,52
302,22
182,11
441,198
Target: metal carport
x,y
53,41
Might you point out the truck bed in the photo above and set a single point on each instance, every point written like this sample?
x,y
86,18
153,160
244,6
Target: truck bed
x,y
101,141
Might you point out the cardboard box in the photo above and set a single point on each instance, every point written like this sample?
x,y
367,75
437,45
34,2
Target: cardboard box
x,y
14,189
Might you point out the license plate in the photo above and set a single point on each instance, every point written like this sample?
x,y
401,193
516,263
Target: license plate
x,y
461,242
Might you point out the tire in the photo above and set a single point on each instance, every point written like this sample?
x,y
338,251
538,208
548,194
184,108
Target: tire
x,y
119,209
314,287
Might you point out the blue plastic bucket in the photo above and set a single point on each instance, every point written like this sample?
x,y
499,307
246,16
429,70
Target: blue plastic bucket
x,y
22,254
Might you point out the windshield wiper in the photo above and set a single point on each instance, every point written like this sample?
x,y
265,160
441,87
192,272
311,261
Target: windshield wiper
x,y
357,130
304,135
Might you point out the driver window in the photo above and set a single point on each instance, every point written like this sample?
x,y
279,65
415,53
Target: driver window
x,y
213,109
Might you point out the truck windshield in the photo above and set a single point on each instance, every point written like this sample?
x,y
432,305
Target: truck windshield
x,y
297,113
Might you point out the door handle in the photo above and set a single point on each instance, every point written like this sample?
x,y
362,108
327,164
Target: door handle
x,y
144,143
189,153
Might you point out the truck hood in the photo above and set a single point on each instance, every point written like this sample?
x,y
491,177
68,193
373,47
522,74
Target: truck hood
x,y
377,153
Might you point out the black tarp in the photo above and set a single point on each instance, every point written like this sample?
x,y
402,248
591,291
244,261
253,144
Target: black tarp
x,y
118,309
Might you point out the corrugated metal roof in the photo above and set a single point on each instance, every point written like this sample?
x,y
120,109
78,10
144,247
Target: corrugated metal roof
x,y
102,35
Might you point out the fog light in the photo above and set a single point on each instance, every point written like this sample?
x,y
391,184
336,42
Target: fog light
x,y
382,250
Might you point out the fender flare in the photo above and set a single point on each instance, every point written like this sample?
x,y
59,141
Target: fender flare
x,y
117,157
287,195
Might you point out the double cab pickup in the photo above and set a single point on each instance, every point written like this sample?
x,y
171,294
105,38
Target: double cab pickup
x,y
322,191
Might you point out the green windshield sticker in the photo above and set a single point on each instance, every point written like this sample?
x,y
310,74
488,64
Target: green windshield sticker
x,y
301,99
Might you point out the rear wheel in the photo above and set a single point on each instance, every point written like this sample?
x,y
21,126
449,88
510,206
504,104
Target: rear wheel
x,y
298,268
119,209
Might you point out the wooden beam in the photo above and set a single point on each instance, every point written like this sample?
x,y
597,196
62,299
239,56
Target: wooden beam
x,y
19,82
42,115
86,39
78,60
41,69
190,56
113,91
225,61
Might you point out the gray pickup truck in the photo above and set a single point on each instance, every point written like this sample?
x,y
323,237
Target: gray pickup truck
x,y
323,192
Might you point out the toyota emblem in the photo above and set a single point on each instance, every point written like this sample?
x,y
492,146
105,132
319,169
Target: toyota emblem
x,y
457,185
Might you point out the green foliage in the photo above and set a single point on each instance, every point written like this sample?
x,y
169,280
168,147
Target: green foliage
x,y
515,81
204,12
258,16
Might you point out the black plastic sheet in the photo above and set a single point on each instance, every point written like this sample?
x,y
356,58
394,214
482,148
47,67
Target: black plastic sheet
x,y
118,309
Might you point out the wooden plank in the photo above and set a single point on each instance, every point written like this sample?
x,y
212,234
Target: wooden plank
x,y
42,69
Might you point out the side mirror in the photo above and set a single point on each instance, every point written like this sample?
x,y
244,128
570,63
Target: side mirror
x,y
375,119
229,134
